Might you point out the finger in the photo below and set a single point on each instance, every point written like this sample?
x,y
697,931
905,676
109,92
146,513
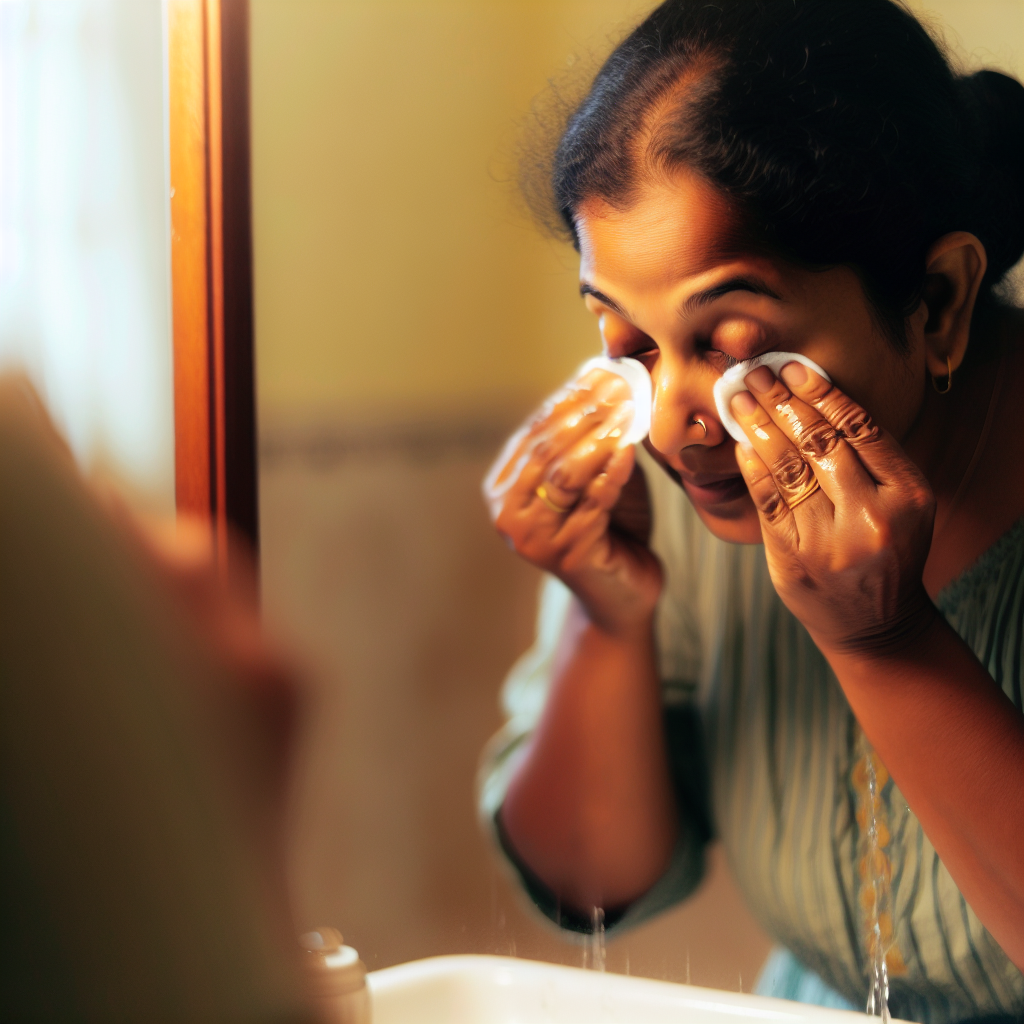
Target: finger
x,y
583,526
836,465
563,468
619,469
570,476
564,416
562,525
778,524
572,470
525,460
598,392
607,485
877,450
507,466
792,476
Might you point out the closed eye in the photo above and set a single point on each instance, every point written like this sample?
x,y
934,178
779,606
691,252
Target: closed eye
x,y
716,358
643,353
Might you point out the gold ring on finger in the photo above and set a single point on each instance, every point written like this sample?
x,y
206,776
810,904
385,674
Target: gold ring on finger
x,y
804,494
542,493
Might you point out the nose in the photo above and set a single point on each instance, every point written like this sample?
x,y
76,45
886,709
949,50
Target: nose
x,y
683,412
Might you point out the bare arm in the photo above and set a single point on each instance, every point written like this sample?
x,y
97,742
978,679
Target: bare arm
x,y
590,809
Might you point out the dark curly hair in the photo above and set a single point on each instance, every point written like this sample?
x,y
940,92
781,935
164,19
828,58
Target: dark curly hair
x,y
837,128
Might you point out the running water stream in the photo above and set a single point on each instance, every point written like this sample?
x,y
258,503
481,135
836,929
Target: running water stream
x,y
877,883
593,945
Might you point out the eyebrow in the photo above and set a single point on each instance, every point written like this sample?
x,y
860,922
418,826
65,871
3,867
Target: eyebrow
x,y
698,300
587,289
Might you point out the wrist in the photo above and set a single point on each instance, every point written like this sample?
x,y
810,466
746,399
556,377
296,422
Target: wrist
x,y
618,612
904,635
614,625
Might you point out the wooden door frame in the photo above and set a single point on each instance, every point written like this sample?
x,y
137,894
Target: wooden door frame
x,y
211,267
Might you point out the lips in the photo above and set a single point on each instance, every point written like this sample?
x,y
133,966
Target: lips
x,y
714,490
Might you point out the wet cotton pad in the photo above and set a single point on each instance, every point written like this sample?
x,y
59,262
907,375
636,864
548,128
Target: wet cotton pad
x,y
635,374
731,383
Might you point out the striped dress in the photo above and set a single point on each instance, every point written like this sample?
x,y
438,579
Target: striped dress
x,y
767,756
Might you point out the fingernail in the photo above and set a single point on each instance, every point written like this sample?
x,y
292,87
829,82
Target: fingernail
x,y
544,449
794,374
743,403
620,415
761,380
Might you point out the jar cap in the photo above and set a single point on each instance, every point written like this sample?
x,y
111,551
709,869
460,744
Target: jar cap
x,y
334,969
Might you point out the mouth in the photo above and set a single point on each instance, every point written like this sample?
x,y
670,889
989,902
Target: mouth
x,y
714,490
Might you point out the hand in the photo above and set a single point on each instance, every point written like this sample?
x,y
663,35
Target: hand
x,y
592,530
846,517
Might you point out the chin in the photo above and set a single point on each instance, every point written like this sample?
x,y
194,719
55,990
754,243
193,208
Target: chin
x,y
737,522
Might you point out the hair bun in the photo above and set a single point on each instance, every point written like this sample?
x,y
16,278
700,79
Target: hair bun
x,y
993,111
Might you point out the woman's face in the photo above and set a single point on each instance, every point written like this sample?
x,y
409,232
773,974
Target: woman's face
x,y
672,286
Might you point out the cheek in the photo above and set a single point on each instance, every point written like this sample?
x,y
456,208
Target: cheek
x,y
886,383
896,396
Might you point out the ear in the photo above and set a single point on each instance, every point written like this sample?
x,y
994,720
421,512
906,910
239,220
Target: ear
x,y
954,267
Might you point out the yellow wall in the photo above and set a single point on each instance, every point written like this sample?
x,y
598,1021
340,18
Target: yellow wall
x,y
395,277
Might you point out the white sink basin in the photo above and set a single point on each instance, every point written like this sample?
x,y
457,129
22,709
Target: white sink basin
x,y
503,990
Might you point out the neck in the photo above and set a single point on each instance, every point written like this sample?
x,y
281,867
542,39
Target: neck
x,y
944,439
955,443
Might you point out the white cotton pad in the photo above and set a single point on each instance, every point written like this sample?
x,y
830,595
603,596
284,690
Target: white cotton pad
x,y
635,374
731,383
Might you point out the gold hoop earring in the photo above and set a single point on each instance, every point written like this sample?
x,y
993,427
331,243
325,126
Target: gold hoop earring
x,y
949,379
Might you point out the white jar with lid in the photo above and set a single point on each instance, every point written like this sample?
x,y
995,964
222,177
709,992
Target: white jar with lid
x,y
337,978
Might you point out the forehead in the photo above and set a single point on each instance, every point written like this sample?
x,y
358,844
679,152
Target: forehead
x,y
677,227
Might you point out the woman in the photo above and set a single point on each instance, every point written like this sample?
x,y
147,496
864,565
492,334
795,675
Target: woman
x,y
820,640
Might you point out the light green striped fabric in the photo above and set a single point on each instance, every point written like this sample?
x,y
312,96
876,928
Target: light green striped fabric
x,y
781,746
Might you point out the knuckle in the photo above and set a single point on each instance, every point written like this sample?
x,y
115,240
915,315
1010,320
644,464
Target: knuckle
x,y
614,389
560,476
778,394
531,551
790,470
572,561
879,536
819,440
568,476
853,423
771,506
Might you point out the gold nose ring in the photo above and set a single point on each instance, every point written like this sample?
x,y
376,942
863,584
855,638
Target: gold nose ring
x,y
703,425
